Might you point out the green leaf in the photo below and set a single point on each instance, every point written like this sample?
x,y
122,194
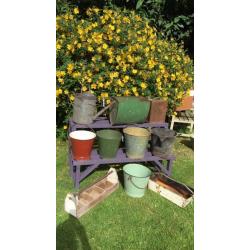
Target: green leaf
x,y
139,4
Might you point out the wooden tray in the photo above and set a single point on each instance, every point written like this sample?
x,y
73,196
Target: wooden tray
x,y
177,192
80,203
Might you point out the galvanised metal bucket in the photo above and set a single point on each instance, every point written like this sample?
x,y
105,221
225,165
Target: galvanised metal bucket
x,y
84,109
108,142
136,141
136,177
129,110
162,141
82,143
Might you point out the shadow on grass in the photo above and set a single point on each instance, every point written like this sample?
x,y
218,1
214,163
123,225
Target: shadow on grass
x,y
71,235
188,142
120,177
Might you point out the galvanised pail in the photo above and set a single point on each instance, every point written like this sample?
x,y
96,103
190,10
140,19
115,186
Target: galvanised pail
x,y
136,177
108,142
136,141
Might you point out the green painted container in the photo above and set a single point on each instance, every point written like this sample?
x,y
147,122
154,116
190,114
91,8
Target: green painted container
x,y
136,177
129,110
136,141
108,142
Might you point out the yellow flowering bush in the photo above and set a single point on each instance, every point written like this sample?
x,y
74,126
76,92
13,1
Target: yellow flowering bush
x,y
116,53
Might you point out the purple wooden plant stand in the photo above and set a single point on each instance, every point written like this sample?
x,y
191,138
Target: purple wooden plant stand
x,y
89,166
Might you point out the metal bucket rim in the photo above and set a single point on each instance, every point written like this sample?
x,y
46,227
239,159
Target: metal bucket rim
x,y
83,135
117,134
134,175
136,129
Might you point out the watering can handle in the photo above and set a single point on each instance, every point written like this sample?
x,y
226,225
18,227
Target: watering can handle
x,y
103,110
130,178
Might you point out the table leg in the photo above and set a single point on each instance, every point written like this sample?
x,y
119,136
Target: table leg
x,y
169,167
77,176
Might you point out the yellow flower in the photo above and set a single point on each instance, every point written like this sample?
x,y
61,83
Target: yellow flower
x,y
108,101
126,78
100,85
84,88
118,31
93,86
76,74
126,92
66,92
99,49
161,66
69,47
173,77
134,71
65,127
134,89
105,46
147,49
70,67
118,58
104,94
60,80
110,60
143,85
60,91
72,98
120,83
58,46
90,48
112,27
158,79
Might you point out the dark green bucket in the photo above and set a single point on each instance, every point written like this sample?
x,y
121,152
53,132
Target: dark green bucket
x,y
108,142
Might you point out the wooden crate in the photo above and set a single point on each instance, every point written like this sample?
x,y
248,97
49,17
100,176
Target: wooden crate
x,y
176,192
80,203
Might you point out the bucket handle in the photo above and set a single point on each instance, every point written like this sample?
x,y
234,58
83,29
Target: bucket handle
x,y
130,178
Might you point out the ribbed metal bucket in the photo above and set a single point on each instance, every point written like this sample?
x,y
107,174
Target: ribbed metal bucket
x,y
136,141
136,177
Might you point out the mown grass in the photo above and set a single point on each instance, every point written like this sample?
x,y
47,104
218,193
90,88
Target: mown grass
x,y
121,222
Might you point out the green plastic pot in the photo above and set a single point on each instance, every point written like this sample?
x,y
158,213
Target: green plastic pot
x,y
136,141
129,110
108,142
136,177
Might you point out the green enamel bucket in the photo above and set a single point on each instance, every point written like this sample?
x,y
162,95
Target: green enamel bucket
x,y
136,141
136,177
108,142
129,110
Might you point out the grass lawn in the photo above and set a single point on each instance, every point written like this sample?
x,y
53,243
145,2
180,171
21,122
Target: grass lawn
x,y
121,222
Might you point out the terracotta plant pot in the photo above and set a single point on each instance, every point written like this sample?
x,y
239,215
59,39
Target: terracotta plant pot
x,y
158,110
187,103
82,143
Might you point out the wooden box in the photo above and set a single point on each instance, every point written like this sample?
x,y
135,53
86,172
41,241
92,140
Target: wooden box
x,y
176,192
80,203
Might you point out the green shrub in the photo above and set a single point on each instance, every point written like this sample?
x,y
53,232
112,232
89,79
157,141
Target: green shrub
x,y
114,53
